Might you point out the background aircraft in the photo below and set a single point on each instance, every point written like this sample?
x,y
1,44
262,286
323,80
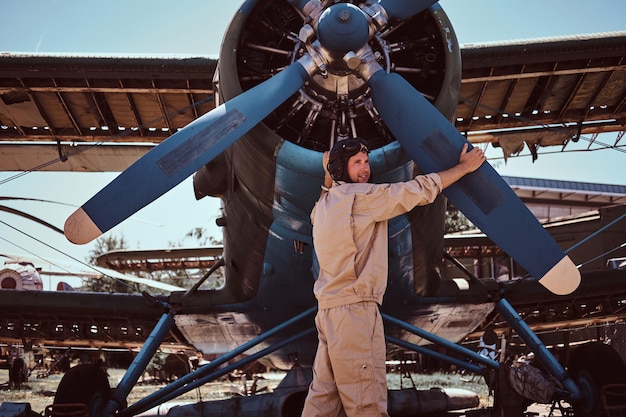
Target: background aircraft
x,y
18,274
285,154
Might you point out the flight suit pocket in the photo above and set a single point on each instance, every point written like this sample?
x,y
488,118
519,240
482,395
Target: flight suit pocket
x,y
367,384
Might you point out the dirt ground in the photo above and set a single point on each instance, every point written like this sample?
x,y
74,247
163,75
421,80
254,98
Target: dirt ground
x,y
39,392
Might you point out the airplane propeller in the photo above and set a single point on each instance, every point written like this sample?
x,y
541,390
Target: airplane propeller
x,y
483,196
337,37
182,154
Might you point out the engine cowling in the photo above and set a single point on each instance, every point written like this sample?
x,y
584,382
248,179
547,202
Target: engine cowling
x,y
265,178
20,276
10,280
260,42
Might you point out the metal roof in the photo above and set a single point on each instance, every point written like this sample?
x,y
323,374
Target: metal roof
x,y
556,198
543,92
99,99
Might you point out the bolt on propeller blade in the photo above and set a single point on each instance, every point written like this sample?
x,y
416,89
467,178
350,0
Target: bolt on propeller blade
x,y
181,155
483,196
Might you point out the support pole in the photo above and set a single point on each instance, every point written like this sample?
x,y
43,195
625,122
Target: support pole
x,y
185,383
139,364
538,348
440,341
149,348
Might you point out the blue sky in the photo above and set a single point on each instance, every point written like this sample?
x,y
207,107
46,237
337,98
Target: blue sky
x,y
187,27
196,26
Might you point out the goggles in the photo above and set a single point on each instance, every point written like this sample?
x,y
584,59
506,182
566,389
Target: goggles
x,y
354,146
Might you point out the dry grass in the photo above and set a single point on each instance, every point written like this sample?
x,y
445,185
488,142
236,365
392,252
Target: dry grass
x,y
39,392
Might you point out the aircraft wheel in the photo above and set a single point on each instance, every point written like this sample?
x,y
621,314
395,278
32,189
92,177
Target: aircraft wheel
x,y
592,366
86,384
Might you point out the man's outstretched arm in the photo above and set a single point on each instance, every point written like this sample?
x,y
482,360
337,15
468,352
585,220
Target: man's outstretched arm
x,y
469,161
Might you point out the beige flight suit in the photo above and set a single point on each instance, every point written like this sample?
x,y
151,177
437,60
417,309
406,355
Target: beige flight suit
x,y
350,239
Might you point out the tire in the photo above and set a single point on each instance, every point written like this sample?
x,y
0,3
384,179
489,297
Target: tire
x,y
86,384
592,366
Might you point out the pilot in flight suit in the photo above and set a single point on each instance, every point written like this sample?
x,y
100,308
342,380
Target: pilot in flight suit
x,y
350,239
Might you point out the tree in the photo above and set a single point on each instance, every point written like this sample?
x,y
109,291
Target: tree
x,y
103,245
455,220
201,236
181,278
187,278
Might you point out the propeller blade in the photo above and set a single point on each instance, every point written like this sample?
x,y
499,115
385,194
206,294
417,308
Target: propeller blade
x,y
181,155
404,9
483,196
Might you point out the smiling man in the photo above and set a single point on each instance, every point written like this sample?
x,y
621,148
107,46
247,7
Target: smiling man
x,y
350,238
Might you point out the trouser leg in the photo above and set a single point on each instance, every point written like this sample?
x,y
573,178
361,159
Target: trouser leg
x,y
349,364
323,396
356,345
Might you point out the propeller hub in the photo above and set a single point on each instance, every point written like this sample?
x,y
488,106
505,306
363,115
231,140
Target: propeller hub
x,y
342,28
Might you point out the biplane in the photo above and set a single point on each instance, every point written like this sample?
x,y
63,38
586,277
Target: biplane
x,y
293,78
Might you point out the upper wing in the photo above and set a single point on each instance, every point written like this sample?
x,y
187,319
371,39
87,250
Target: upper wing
x,y
502,85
